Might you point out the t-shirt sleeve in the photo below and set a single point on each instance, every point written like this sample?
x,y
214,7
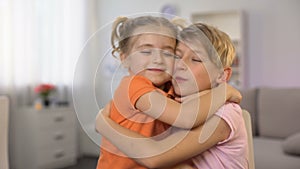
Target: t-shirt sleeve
x,y
138,86
232,114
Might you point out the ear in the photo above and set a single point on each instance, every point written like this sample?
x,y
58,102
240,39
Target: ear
x,y
225,75
124,59
122,56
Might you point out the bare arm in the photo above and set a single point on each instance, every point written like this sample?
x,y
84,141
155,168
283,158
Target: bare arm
x,y
173,149
190,113
181,166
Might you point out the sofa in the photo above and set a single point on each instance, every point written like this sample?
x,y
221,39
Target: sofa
x,y
275,115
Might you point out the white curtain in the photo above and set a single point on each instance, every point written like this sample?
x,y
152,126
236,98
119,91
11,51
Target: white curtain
x,y
40,41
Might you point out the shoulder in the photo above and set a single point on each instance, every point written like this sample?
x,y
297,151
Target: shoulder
x,y
233,106
230,108
136,78
135,82
130,85
231,113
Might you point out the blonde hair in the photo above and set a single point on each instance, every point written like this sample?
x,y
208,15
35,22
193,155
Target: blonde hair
x,y
179,22
124,28
219,40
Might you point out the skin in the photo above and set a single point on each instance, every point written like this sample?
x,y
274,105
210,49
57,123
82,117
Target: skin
x,y
188,66
152,56
193,73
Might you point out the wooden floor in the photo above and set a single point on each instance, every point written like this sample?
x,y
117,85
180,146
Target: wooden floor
x,y
85,163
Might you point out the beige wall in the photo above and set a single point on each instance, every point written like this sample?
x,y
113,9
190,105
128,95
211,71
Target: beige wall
x,y
273,34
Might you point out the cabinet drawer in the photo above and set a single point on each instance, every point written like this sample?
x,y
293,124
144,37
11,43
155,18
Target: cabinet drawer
x,y
50,156
58,119
61,163
56,137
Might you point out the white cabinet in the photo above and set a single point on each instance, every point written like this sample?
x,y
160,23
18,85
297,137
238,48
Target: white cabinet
x,y
46,138
232,23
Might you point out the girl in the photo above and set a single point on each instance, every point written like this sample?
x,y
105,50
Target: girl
x,y
222,141
146,47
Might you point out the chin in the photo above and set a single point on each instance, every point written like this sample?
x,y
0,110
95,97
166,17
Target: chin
x,y
158,83
182,92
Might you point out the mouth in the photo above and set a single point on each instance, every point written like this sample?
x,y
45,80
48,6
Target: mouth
x,y
155,70
179,79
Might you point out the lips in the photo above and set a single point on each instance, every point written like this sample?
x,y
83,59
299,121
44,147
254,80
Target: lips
x,y
155,69
180,79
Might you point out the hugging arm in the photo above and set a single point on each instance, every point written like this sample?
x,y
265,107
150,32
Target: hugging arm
x,y
190,113
173,149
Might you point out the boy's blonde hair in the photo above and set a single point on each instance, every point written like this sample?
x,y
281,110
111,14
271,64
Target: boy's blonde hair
x,y
219,40
124,29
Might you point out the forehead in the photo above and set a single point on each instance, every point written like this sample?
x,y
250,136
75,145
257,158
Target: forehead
x,y
154,40
155,29
192,48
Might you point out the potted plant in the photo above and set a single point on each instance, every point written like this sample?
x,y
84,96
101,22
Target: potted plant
x,y
44,91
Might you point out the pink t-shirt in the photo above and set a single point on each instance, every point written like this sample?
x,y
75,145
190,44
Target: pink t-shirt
x,y
233,152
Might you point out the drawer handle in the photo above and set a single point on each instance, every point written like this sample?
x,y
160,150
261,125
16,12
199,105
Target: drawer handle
x,y
59,119
59,136
59,154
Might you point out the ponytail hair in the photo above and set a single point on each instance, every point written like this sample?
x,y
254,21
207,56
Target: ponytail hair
x,y
179,22
115,35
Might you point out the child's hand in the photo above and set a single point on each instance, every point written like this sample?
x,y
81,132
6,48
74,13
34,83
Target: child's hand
x,y
232,94
101,116
105,111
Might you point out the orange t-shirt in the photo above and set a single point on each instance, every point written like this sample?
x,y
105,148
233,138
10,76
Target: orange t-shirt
x,y
123,112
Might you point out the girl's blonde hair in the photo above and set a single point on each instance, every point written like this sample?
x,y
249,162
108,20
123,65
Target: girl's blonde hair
x,y
124,28
218,44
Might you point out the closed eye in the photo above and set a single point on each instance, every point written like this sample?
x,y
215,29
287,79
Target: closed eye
x,y
168,54
197,60
177,56
146,52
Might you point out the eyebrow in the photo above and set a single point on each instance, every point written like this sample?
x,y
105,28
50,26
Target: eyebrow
x,y
169,47
178,50
200,53
145,45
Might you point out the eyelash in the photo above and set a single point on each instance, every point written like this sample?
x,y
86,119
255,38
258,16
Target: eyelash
x,y
194,60
197,60
146,52
177,56
165,53
168,54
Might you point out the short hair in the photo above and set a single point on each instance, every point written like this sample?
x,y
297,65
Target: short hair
x,y
219,40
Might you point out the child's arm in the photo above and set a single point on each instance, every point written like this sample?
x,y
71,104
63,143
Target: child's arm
x,y
173,149
188,164
181,166
190,113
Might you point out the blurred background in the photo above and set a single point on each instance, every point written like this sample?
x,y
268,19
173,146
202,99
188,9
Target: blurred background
x,y
66,43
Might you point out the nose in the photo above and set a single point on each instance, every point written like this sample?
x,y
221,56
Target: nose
x,y
157,57
180,64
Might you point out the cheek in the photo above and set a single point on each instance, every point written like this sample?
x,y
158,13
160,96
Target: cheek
x,y
201,76
136,67
170,66
212,73
198,71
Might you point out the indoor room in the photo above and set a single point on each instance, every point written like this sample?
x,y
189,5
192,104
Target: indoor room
x,y
57,71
